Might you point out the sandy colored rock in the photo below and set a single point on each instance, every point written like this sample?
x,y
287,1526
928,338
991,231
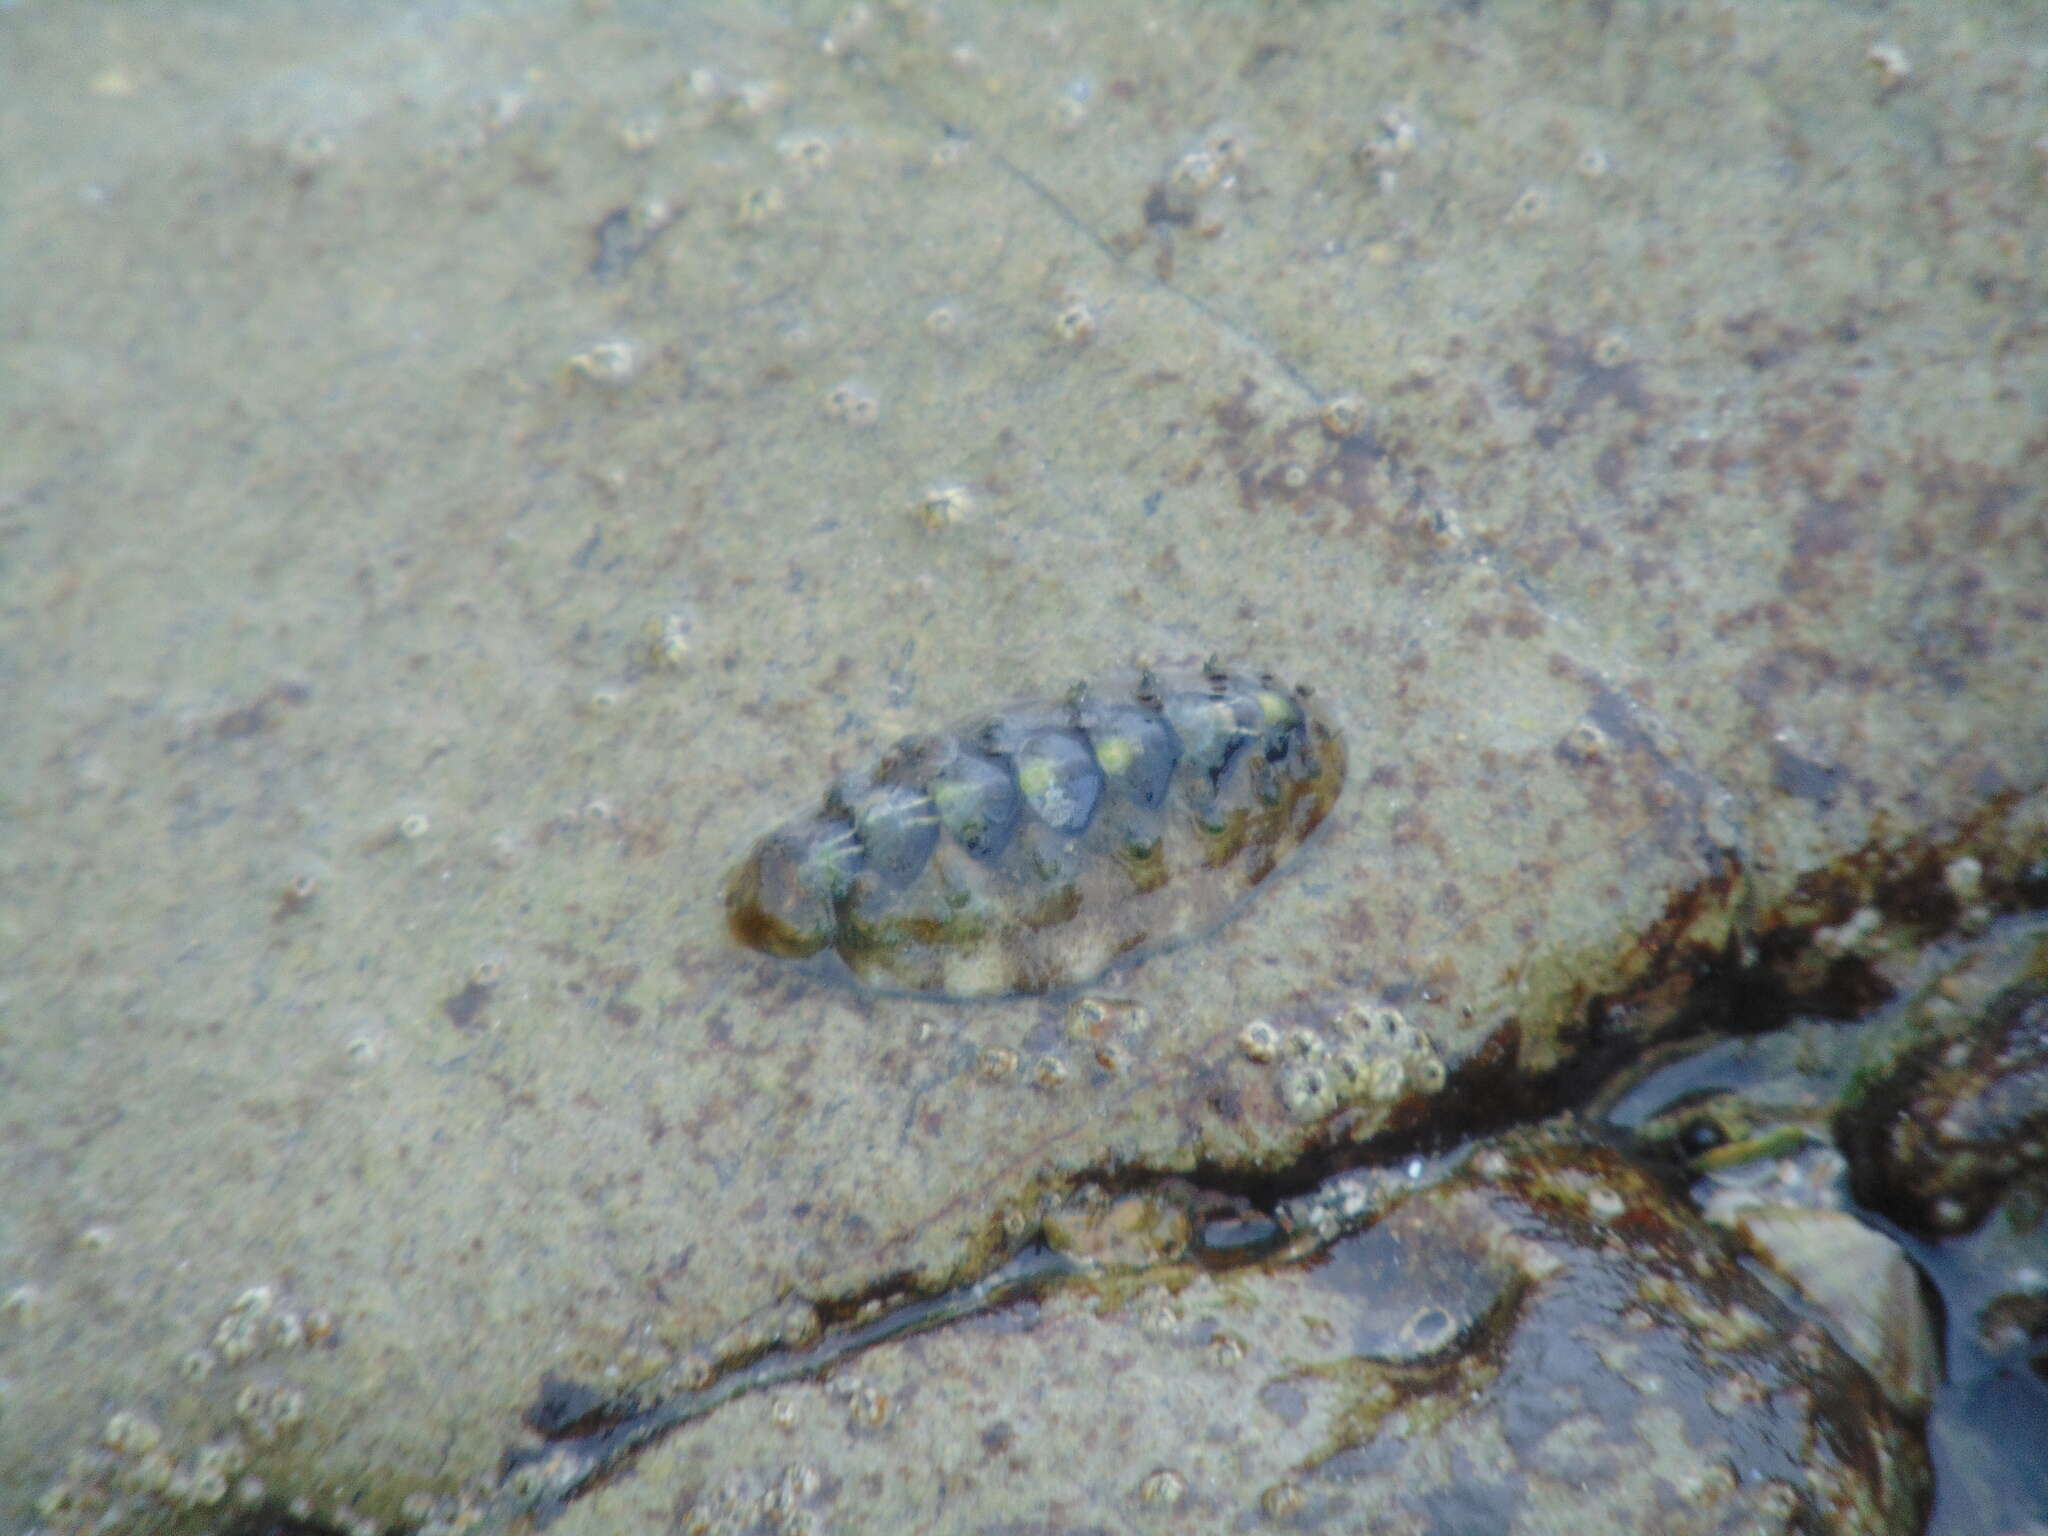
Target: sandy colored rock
x,y
465,482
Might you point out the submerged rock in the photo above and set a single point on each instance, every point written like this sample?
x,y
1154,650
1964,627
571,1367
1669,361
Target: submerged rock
x,y
1928,1114
1541,1340
1760,1164
1672,572
1962,1114
1865,1288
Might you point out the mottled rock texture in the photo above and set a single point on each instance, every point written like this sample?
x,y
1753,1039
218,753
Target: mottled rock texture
x,y
469,471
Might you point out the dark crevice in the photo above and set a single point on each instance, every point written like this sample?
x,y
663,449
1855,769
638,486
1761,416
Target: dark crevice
x,y
277,1522
891,1290
539,1482
569,1410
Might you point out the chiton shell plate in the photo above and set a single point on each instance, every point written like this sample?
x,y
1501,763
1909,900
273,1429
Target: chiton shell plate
x,y
1030,849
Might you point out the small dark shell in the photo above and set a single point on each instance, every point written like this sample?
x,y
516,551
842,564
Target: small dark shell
x,y
1057,776
1028,852
1137,751
977,801
1214,727
898,827
784,899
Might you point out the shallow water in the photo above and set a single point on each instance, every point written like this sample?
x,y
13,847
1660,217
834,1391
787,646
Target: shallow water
x,y
469,470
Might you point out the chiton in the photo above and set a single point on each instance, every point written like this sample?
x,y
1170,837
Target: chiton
x,y
1030,849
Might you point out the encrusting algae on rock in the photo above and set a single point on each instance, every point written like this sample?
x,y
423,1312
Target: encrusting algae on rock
x,y
1029,850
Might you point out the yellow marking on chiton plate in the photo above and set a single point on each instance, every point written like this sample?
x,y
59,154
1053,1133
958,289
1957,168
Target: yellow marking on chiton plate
x,y
1277,708
1115,754
1035,778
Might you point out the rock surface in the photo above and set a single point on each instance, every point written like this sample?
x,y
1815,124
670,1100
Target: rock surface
x,y
1957,1120
1937,1283
468,475
1542,1342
